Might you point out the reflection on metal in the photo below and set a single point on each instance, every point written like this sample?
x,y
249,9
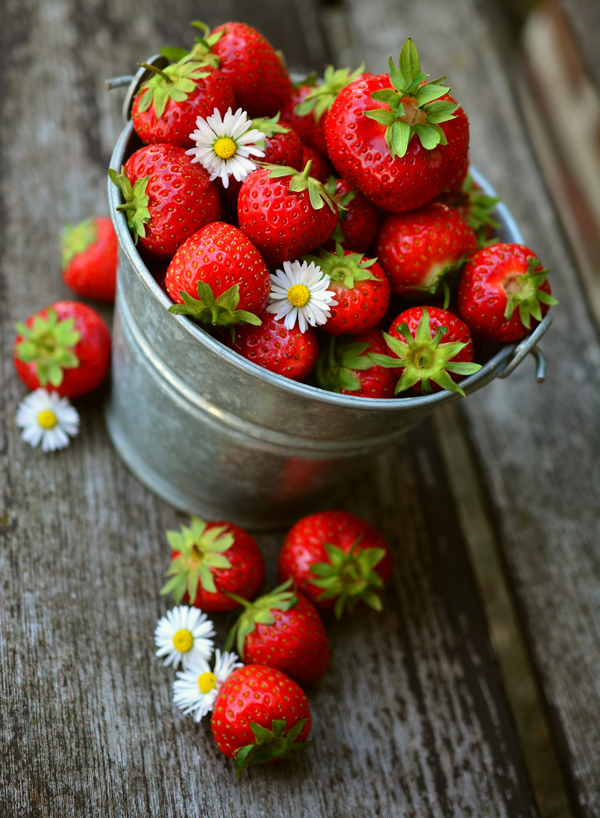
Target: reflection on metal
x,y
561,107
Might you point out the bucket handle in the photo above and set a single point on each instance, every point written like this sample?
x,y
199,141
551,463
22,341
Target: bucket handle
x,y
528,346
134,81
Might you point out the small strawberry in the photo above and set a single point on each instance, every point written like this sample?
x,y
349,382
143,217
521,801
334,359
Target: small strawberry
x,y
282,629
89,258
222,266
397,139
260,715
336,560
320,168
423,250
501,290
166,107
434,349
288,352
64,347
358,219
250,63
305,125
345,367
211,561
361,289
282,145
285,213
167,198
476,208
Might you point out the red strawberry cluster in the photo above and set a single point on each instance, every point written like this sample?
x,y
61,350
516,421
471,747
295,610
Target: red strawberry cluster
x,y
330,562
298,213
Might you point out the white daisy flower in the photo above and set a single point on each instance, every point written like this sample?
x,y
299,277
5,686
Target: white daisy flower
x,y
299,293
196,689
45,416
224,145
183,635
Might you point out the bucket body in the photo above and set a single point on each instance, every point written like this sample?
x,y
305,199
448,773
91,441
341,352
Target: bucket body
x,y
220,437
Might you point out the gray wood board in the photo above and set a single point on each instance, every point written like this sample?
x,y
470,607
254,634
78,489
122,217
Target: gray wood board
x,y
538,446
410,719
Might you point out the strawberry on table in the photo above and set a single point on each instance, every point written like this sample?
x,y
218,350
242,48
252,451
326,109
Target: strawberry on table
x,y
166,107
398,139
209,562
285,213
282,629
288,352
222,267
423,250
166,198
345,367
361,289
336,560
503,292
65,347
250,63
358,219
433,347
89,258
260,716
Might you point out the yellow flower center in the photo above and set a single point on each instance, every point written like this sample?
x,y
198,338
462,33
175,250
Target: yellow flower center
x,y
47,419
298,295
225,147
183,640
207,682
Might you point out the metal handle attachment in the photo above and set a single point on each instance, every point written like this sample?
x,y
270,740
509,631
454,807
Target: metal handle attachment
x,y
528,346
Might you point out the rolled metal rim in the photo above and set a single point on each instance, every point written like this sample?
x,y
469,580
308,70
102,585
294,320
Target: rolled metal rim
x,y
495,367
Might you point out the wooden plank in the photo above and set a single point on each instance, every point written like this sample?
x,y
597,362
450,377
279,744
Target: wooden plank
x,y
538,447
410,719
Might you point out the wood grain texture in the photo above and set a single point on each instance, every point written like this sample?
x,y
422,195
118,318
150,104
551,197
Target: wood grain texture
x,y
538,446
410,719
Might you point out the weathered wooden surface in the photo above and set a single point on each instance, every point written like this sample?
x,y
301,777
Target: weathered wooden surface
x,y
538,446
411,718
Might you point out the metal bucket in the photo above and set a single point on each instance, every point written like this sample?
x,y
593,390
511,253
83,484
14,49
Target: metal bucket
x,y
218,436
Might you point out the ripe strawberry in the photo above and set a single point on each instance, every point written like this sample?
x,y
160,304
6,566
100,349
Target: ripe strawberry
x,y
305,125
225,270
64,347
282,629
361,289
320,168
422,250
166,107
287,352
249,62
501,290
260,716
476,208
430,343
358,219
166,198
282,145
336,560
385,135
209,562
283,212
345,367
89,258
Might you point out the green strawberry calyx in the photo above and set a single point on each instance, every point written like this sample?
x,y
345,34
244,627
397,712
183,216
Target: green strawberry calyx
x,y
413,105
269,125
321,98
349,577
337,365
424,358
342,202
135,201
201,51
49,343
278,742
175,82
220,312
524,293
345,268
480,210
76,238
301,181
440,277
199,551
259,612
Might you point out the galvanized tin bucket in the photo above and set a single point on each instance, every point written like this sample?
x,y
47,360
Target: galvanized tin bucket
x,y
217,435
